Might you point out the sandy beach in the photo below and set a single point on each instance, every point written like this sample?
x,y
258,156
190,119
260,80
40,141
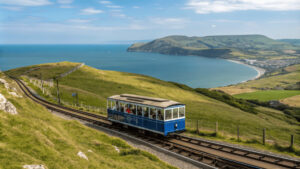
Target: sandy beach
x,y
260,71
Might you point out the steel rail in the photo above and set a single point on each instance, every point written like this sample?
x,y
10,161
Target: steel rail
x,y
260,156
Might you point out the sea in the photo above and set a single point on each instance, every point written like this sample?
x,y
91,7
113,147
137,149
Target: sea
x,y
194,71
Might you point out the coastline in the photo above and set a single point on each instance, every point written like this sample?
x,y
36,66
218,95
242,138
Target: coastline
x,y
260,71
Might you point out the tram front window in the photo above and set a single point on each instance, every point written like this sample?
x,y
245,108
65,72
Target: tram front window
x,y
113,105
175,113
169,114
181,112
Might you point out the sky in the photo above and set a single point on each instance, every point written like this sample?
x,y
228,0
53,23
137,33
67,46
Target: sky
x,y
127,21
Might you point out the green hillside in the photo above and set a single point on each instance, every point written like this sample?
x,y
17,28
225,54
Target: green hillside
x,y
267,95
287,78
94,86
36,136
295,42
227,46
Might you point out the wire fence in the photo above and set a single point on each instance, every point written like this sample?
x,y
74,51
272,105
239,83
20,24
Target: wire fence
x,y
236,132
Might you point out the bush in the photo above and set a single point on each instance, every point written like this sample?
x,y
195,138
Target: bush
x,y
226,98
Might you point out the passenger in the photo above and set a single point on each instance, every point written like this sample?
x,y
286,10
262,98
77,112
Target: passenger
x,y
139,110
117,105
159,115
128,110
154,116
133,110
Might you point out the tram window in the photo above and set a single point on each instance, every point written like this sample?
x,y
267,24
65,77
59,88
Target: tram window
x,y
133,109
117,106
127,108
160,114
146,111
139,111
153,113
169,114
130,108
181,111
175,113
122,106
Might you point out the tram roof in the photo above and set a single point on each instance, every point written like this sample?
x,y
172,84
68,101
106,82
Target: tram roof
x,y
151,101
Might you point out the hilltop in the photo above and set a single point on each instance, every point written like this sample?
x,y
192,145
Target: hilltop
x,y
239,47
94,86
35,136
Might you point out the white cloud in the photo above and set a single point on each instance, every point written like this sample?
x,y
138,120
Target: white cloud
x,y
105,2
116,10
136,7
216,6
66,6
173,23
12,8
25,2
63,28
213,26
113,6
90,11
119,15
65,1
168,20
79,20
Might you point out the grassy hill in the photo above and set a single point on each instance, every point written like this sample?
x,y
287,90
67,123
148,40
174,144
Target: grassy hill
x,y
94,86
286,78
267,95
295,42
35,136
282,85
227,46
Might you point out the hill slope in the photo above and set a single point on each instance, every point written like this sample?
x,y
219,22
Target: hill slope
x,y
228,46
94,86
35,136
295,42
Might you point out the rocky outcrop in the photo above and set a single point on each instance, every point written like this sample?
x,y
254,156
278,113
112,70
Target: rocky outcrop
x,y
7,106
34,166
117,149
8,87
82,155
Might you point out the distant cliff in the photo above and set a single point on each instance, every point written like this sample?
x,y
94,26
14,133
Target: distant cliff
x,y
228,46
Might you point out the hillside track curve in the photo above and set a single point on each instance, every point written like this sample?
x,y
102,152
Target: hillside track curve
x,y
205,154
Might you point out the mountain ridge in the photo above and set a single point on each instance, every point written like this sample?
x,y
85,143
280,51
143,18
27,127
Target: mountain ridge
x,y
222,46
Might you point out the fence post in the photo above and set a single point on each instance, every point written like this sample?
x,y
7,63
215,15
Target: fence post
x,y
238,132
264,136
292,141
216,127
198,127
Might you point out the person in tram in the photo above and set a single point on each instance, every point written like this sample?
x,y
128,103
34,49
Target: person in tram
x,y
128,110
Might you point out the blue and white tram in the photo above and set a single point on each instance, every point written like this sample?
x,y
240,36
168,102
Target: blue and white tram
x,y
153,114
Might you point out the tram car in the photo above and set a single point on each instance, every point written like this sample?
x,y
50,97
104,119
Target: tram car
x,y
156,115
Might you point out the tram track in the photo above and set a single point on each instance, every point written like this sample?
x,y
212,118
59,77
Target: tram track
x,y
243,152
183,145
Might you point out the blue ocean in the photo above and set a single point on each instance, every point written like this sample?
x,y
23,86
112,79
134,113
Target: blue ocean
x,y
194,71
